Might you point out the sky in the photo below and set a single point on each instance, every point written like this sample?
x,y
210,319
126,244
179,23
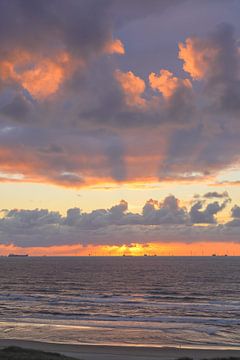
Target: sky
x,y
120,127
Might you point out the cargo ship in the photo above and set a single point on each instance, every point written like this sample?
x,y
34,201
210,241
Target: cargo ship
x,y
17,255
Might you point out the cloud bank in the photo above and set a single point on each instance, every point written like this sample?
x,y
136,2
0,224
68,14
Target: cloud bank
x,y
163,221
73,113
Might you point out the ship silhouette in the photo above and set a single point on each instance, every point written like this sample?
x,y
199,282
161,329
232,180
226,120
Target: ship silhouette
x,y
17,255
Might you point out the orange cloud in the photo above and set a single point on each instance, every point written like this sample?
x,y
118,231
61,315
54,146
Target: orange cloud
x,y
40,76
133,88
166,83
44,80
115,47
197,56
6,70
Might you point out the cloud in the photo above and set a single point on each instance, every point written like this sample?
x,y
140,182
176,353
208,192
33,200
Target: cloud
x,y
215,59
198,56
215,194
167,212
64,84
79,26
236,212
18,109
73,216
82,104
235,222
115,47
31,218
73,159
51,41
40,76
167,84
133,88
164,221
199,215
54,39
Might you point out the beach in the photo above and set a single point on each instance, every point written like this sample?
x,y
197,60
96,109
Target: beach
x,y
103,352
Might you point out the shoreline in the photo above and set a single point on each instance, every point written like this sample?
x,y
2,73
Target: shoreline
x,y
116,352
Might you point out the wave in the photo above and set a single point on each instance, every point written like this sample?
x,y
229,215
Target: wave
x,y
108,318
146,305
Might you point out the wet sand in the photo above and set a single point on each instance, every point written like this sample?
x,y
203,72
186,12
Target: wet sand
x,y
104,352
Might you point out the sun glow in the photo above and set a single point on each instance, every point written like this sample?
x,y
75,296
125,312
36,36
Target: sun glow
x,y
148,249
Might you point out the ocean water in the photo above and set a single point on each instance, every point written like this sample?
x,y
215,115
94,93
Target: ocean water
x,y
151,301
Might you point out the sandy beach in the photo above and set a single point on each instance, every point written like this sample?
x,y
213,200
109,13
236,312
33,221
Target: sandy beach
x,y
103,352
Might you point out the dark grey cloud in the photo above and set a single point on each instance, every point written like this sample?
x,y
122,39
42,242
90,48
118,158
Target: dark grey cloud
x,y
215,194
115,158
235,222
18,109
29,218
167,212
78,26
236,212
197,151
72,217
180,108
199,215
81,27
215,60
223,82
52,149
162,221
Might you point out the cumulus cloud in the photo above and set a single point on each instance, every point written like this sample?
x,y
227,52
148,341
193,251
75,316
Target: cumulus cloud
x,y
115,47
133,88
235,222
41,79
199,215
167,84
32,217
167,212
236,212
197,56
160,221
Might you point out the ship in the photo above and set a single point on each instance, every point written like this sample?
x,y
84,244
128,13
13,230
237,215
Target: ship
x,y
17,255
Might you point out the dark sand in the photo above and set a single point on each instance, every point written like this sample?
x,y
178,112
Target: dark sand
x,y
102,352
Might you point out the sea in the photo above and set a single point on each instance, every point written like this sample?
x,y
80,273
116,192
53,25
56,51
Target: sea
x,y
185,302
